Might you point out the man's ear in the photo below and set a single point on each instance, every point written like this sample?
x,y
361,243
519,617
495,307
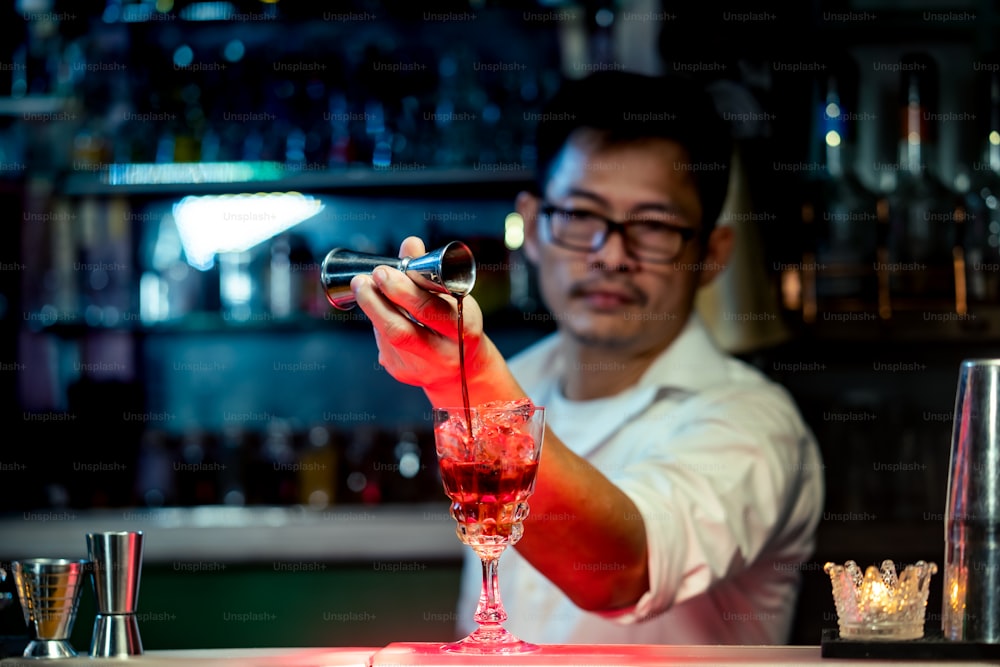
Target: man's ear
x,y
718,250
526,204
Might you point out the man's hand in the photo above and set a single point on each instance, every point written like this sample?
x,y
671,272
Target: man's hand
x,y
417,336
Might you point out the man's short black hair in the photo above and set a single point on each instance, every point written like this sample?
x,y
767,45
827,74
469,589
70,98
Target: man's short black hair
x,y
626,106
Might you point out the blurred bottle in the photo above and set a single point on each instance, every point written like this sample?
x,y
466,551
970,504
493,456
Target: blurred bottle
x,y
307,292
90,270
982,224
191,129
295,150
38,56
104,267
278,454
318,468
243,284
840,214
232,455
281,290
258,475
362,471
154,482
254,141
342,149
379,134
450,151
165,144
63,276
195,470
922,226
403,472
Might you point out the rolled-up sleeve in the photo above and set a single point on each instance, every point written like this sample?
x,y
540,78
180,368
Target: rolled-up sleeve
x,y
714,490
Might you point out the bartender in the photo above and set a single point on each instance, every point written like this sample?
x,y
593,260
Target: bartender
x,y
679,489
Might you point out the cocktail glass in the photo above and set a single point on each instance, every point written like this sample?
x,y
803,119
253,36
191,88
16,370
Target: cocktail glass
x,y
488,478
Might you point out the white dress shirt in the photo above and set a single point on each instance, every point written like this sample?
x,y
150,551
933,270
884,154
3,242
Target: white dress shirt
x,y
726,477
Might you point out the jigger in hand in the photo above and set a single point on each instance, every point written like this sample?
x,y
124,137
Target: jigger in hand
x,y
450,269
117,566
49,591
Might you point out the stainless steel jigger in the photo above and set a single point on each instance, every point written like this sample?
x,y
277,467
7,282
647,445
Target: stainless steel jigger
x,y
450,269
117,565
49,591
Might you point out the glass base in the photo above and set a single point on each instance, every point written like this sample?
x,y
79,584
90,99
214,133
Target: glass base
x,y
49,649
490,640
887,631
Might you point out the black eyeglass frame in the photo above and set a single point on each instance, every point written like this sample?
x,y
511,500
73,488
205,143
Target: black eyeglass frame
x,y
611,226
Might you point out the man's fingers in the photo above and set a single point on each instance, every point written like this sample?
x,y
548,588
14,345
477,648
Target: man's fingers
x,y
412,246
428,308
383,313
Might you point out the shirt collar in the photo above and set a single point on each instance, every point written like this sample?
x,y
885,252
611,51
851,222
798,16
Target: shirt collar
x,y
691,363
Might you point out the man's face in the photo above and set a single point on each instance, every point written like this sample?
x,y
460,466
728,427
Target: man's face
x,y
609,298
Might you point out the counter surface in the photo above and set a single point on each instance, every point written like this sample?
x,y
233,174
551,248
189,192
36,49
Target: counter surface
x,y
427,655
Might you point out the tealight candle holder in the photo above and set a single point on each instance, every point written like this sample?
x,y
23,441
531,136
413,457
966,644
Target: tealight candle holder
x,y
876,604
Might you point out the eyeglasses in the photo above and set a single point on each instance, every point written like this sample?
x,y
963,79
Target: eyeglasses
x,y
586,231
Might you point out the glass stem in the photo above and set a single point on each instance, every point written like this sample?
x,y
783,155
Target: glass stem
x,y
490,610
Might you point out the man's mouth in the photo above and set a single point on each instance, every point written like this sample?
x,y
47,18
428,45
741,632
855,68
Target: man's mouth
x,y
602,297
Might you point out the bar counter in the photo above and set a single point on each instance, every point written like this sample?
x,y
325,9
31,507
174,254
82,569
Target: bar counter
x,y
428,655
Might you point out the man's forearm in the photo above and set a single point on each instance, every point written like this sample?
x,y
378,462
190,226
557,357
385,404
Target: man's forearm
x,y
584,534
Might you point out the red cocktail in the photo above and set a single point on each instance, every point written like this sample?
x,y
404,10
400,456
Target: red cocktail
x,y
489,475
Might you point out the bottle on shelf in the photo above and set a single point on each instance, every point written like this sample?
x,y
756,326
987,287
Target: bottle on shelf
x,y
981,241
278,454
232,454
403,466
281,290
923,213
317,467
362,472
195,470
840,214
307,294
154,479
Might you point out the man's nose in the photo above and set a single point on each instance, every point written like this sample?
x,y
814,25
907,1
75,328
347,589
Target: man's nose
x,y
614,255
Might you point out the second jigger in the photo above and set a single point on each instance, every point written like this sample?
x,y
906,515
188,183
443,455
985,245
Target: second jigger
x,y
450,269
116,559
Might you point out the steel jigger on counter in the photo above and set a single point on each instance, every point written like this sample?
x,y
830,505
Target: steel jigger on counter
x,y
49,592
116,562
450,269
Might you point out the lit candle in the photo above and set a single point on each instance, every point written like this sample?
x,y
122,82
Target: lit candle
x,y
877,604
878,597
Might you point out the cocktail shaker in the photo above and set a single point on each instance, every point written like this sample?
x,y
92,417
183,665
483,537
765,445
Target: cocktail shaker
x,y
117,565
450,269
971,596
